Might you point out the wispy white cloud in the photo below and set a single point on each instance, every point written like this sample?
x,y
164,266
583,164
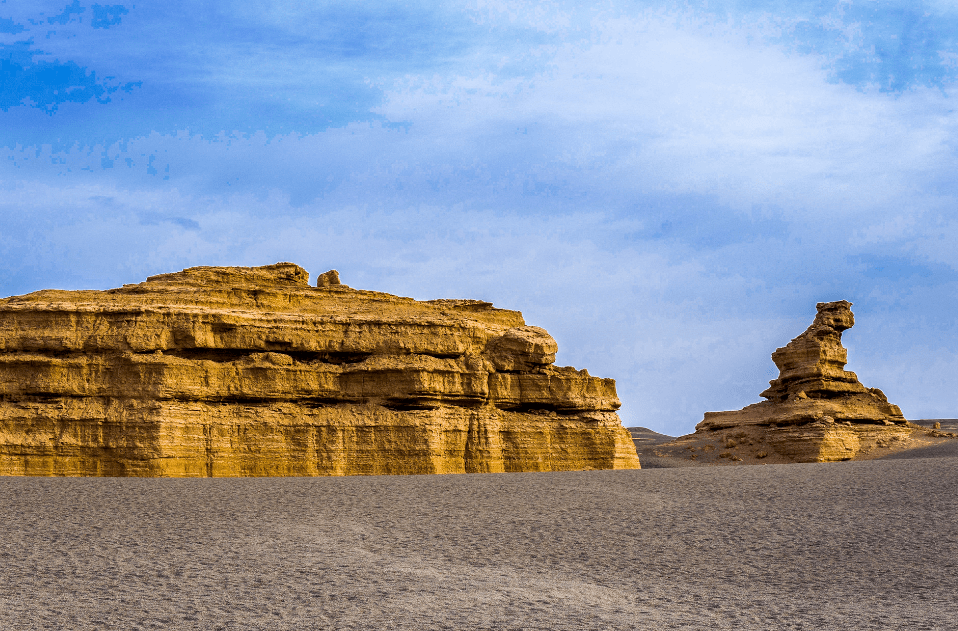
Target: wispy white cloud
x,y
668,189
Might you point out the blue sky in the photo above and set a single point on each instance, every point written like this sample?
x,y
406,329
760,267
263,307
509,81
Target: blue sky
x,y
667,187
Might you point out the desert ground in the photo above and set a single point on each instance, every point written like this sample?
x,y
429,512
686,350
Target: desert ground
x,y
852,545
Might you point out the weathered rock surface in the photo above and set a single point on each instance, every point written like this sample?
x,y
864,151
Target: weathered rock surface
x,y
816,411
230,371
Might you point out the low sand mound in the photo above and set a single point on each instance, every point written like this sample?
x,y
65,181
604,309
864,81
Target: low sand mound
x,y
750,445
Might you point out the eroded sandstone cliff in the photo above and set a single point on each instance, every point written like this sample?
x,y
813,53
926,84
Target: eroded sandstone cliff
x,y
815,411
231,371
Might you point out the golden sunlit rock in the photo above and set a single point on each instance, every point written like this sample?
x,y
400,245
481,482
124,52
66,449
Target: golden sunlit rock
x,y
233,371
816,411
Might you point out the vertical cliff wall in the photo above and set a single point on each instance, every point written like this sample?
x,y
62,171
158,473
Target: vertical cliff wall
x,y
252,372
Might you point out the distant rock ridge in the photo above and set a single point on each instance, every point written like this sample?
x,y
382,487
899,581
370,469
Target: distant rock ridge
x,y
816,411
250,371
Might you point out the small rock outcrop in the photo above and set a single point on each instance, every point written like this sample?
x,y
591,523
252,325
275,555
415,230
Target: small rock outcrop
x,y
816,411
327,279
813,385
239,371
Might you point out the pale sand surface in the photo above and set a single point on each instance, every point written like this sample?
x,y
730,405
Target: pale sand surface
x,y
856,545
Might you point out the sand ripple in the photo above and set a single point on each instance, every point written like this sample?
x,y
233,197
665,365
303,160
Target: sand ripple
x,y
858,545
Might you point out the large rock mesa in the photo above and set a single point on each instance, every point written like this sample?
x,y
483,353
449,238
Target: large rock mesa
x,y
232,371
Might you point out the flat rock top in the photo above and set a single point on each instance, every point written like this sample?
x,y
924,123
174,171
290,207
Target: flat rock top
x,y
279,288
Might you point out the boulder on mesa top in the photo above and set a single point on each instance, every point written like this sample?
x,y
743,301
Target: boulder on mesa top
x,y
327,279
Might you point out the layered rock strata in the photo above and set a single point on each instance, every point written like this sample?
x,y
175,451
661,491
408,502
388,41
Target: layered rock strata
x,y
230,371
816,411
